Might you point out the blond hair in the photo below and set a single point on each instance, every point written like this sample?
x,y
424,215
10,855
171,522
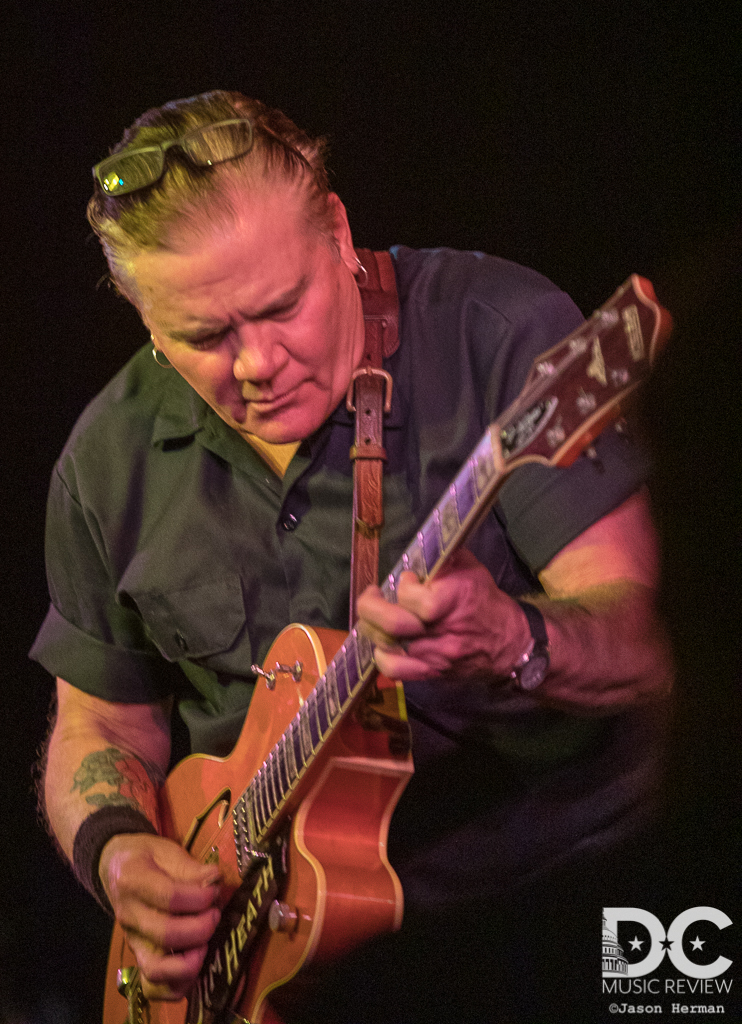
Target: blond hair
x,y
147,218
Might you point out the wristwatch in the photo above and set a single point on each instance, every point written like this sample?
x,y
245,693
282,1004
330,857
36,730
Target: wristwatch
x,y
531,669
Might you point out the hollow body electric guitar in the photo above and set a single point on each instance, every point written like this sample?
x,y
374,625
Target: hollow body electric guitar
x,y
297,816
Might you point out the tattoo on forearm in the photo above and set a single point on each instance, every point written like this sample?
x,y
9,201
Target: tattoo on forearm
x,y
119,779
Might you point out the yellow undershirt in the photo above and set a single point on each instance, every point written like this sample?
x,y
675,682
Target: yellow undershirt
x,y
277,456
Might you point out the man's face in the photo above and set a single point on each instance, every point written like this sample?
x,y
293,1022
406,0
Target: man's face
x,y
261,315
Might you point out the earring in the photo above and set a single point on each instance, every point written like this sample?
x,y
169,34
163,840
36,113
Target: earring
x,y
155,352
361,281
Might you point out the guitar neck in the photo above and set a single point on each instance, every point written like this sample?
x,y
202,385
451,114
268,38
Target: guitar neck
x,y
571,393
261,805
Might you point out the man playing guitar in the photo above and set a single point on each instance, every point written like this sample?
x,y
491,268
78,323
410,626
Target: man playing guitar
x,y
203,504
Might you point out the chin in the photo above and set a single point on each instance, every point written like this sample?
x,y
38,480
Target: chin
x,y
289,425
277,432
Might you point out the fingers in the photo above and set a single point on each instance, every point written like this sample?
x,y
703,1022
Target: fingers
x,y
457,623
396,663
166,974
167,930
387,623
165,901
157,873
420,605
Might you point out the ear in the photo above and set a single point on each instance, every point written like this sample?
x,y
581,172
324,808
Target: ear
x,y
341,233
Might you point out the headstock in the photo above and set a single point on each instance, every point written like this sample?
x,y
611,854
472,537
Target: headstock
x,y
576,388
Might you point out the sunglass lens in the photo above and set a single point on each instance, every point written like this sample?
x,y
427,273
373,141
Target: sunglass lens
x,y
127,173
218,142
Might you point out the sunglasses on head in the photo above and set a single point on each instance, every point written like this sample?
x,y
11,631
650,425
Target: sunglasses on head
x,y
132,169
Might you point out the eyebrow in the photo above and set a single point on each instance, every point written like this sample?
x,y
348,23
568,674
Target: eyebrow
x,y
283,301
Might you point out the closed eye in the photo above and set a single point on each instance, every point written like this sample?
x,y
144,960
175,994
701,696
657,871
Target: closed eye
x,y
207,342
284,313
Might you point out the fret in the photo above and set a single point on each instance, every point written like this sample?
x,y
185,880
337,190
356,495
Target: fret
x,y
295,728
287,760
252,822
288,744
273,788
341,677
305,733
389,586
265,794
391,583
430,541
448,518
351,663
365,653
278,777
282,777
255,804
313,719
414,560
261,810
333,700
288,767
484,464
465,491
323,714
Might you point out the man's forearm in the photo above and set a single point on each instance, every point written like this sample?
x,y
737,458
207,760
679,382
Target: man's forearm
x,y
92,763
608,649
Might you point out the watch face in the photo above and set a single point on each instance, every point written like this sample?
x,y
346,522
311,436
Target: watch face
x,y
534,671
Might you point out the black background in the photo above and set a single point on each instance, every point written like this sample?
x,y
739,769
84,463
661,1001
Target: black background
x,y
588,140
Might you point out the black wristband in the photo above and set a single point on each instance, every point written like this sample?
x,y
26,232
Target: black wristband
x,y
92,836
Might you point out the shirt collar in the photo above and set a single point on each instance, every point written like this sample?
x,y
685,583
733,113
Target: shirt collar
x,y
182,413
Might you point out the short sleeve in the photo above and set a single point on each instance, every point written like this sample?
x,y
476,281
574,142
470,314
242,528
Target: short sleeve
x,y
543,509
88,637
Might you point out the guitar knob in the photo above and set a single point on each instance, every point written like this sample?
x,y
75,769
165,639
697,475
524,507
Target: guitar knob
x,y
281,918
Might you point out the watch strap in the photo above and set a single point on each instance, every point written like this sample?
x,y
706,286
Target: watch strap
x,y
531,669
536,623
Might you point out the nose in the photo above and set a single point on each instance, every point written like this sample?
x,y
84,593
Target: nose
x,y
258,355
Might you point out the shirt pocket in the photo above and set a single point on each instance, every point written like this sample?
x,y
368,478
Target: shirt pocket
x,y
195,622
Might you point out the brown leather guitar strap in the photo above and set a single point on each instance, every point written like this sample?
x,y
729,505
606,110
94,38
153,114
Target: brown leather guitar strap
x,y
370,396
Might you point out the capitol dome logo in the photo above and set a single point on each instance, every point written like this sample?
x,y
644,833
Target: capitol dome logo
x,y
615,963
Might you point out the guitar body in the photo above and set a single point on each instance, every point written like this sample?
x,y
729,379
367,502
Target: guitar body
x,y
338,888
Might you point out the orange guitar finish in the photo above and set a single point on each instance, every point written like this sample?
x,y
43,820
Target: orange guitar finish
x,y
339,883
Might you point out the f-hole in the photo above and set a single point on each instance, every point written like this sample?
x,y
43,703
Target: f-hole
x,y
224,798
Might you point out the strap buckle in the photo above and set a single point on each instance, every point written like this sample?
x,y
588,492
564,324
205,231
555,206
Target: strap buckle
x,y
371,371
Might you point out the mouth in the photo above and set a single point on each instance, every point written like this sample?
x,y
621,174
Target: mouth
x,y
267,405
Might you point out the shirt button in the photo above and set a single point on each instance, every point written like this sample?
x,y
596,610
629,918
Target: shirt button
x,y
290,523
181,641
